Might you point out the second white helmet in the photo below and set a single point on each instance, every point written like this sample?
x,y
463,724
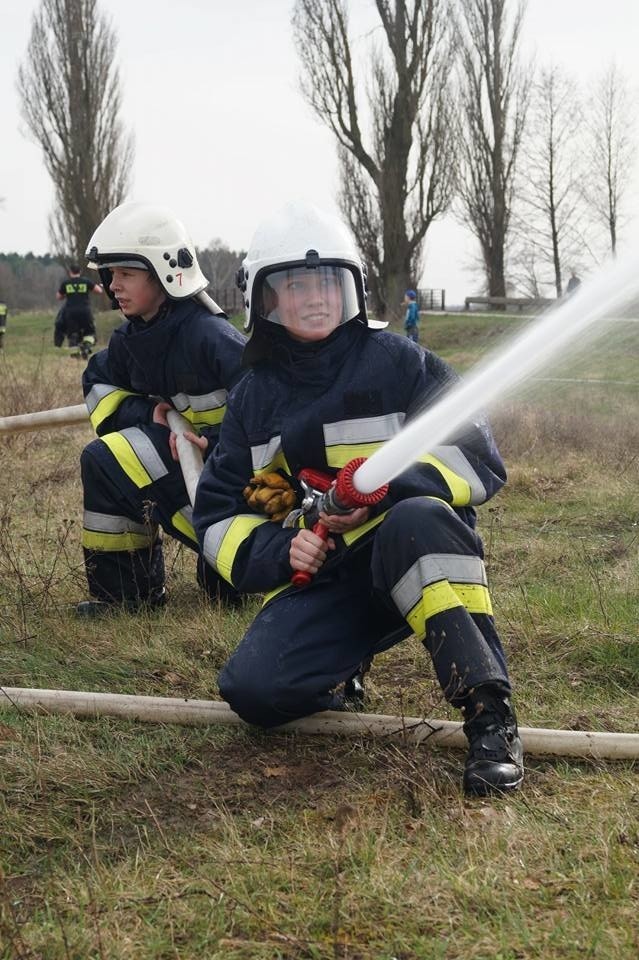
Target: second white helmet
x,y
148,236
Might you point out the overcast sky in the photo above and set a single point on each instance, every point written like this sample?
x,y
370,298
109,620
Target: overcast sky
x,y
223,136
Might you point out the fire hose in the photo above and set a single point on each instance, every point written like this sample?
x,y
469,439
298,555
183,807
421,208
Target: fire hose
x,y
189,455
538,741
342,497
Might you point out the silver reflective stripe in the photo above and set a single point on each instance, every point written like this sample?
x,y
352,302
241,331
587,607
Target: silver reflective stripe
x,y
106,523
455,460
266,452
213,540
431,569
364,429
205,401
145,452
97,393
187,513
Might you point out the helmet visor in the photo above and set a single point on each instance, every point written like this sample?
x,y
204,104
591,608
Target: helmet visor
x,y
310,302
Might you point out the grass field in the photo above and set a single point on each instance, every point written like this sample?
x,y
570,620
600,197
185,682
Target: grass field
x,y
124,840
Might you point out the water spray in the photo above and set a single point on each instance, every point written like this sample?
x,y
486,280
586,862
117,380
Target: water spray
x,y
610,290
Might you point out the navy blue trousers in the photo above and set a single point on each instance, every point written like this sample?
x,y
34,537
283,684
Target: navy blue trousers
x,y
303,644
120,512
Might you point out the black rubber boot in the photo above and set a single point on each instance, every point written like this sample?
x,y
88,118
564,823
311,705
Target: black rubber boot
x,y
95,609
495,759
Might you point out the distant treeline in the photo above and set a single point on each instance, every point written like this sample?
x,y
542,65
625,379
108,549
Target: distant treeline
x,y
29,282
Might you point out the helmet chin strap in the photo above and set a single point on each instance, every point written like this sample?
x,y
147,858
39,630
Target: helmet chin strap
x,y
208,302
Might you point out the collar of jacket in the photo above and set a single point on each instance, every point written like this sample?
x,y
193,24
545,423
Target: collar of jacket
x,y
147,342
312,364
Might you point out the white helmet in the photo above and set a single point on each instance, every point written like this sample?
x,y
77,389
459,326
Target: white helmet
x,y
147,237
301,236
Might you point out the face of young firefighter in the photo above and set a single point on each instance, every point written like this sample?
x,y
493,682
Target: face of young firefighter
x,y
309,302
138,292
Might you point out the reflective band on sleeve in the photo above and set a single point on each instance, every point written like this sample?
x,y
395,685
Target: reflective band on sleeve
x,y
275,593
136,455
205,410
352,535
433,568
268,457
361,437
446,596
183,521
222,541
201,403
465,485
103,400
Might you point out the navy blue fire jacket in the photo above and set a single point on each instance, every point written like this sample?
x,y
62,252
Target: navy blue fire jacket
x,y
185,356
319,406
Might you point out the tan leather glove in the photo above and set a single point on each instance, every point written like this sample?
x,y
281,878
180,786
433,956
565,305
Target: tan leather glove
x,y
272,494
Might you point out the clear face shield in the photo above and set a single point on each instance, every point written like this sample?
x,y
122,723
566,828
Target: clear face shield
x,y
309,302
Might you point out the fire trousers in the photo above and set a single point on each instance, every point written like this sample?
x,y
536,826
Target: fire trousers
x,y
422,573
132,489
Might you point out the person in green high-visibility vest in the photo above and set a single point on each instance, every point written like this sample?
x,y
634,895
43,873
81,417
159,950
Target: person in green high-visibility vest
x,y
75,320
3,323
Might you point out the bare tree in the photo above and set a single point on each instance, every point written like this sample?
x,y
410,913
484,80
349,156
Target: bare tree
x,y
551,217
220,265
69,89
494,93
399,178
610,149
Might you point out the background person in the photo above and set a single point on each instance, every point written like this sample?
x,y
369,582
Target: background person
x,y
574,282
325,387
411,318
169,352
75,319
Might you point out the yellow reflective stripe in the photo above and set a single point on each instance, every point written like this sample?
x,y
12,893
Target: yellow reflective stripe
x,y
182,524
475,597
237,533
443,595
352,535
275,593
277,463
204,418
127,458
343,453
108,405
114,542
459,488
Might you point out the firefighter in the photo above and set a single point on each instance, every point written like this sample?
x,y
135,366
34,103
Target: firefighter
x,y
170,352
326,385
75,320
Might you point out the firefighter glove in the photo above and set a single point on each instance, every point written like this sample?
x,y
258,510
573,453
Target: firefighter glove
x,y
272,494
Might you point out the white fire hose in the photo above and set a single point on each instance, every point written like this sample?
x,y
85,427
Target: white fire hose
x,y
446,733
537,741
189,455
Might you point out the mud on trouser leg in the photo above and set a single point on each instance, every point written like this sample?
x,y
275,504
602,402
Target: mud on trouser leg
x,y
431,563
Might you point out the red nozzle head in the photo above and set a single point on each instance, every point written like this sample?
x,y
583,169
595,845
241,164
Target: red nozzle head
x,y
346,492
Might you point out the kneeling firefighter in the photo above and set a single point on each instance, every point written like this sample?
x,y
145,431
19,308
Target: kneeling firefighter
x,y
409,561
170,352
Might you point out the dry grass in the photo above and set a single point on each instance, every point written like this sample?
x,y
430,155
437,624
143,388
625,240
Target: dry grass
x,y
124,840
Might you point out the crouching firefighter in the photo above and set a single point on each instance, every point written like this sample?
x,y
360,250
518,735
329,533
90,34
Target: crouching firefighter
x,y
408,562
170,352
